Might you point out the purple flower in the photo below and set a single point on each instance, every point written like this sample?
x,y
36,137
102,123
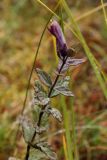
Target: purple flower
x,y
56,31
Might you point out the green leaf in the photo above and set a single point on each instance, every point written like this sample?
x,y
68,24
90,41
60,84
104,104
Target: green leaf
x,y
65,91
54,93
63,82
47,150
36,111
45,120
40,100
36,154
38,87
55,113
40,96
28,129
75,62
70,62
44,77
40,130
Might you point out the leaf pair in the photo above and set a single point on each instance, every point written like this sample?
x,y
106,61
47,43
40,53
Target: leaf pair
x,y
62,87
54,112
70,62
65,91
42,151
28,129
44,77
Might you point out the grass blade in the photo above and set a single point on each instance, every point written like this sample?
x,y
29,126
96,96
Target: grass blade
x,y
86,48
67,128
104,11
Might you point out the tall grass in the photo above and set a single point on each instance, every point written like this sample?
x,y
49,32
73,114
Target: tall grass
x,y
65,147
104,11
90,12
74,136
86,48
58,17
67,130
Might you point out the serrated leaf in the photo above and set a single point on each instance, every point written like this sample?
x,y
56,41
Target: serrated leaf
x,y
74,61
41,100
36,111
45,120
36,154
70,62
55,113
54,93
38,87
65,91
44,77
40,96
28,129
63,82
46,149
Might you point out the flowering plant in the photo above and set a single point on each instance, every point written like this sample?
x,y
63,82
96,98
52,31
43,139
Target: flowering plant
x,y
33,132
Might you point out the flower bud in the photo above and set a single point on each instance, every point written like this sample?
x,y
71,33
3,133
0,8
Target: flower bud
x,y
56,31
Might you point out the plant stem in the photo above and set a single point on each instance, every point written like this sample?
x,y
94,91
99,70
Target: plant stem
x,y
51,89
41,113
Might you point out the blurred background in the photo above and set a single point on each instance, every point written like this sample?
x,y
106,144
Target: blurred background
x,y
21,25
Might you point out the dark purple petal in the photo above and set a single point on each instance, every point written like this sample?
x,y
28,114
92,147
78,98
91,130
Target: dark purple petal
x,y
56,31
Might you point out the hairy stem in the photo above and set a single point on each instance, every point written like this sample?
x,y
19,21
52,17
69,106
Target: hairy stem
x,y
41,113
